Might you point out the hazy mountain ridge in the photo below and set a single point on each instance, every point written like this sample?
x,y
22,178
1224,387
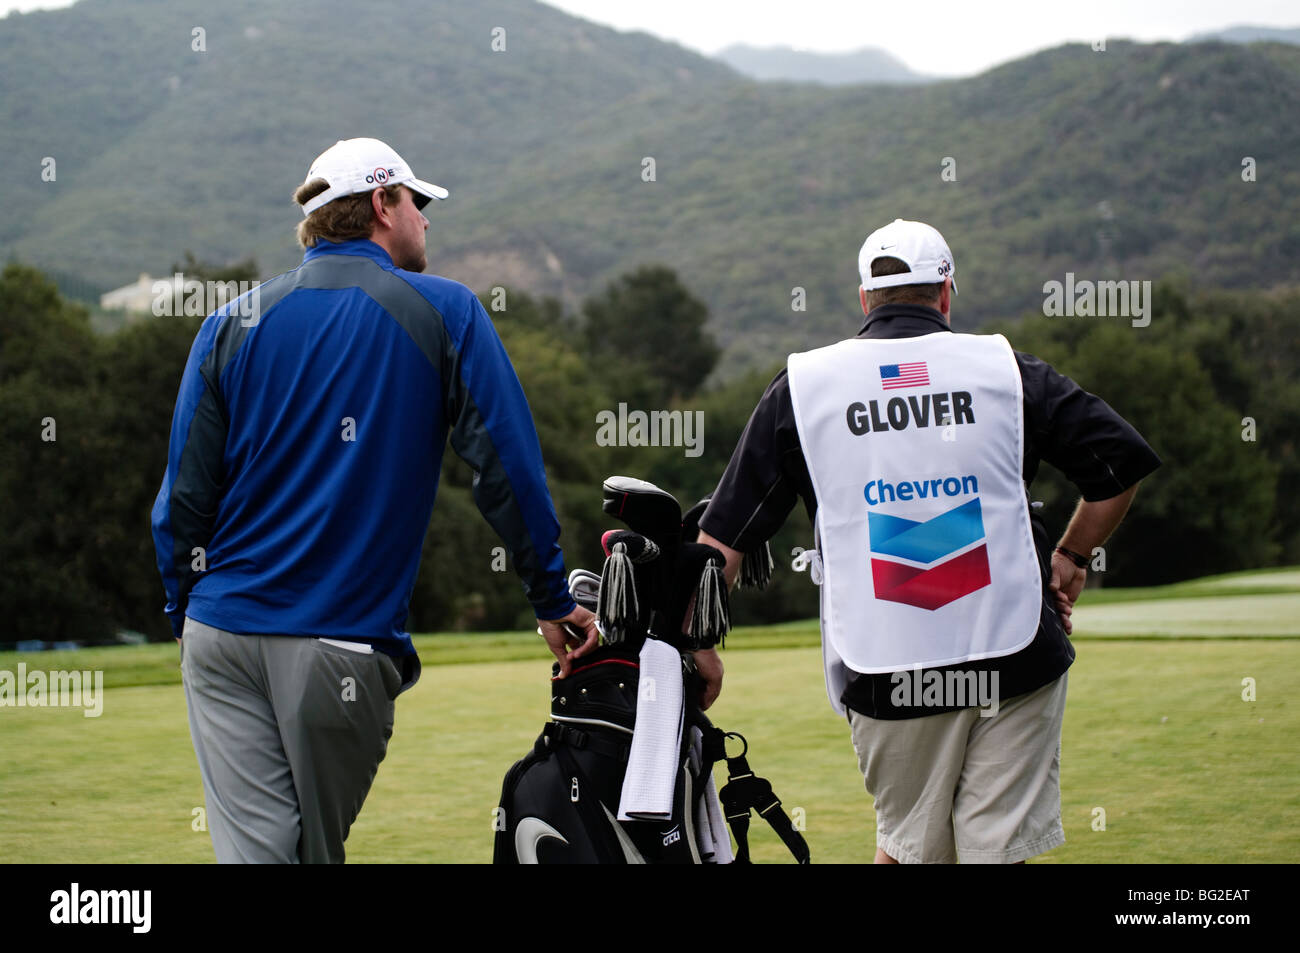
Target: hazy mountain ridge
x,y
1118,164
784,63
1250,34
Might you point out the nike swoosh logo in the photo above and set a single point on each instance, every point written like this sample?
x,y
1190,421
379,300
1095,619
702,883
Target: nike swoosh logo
x,y
529,834
630,853
883,247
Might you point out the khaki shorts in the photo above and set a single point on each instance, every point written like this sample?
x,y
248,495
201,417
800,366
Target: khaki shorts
x,y
952,785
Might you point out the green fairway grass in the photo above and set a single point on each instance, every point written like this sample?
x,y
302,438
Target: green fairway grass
x,y
1156,735
1228,616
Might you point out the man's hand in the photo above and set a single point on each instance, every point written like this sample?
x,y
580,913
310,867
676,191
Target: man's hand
x,y
709,665
1067,583
559,637
1090,526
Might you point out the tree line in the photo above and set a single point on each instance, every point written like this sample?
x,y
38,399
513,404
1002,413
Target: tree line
x,y
84,421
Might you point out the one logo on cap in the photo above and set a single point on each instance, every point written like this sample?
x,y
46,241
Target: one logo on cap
x,y
379,176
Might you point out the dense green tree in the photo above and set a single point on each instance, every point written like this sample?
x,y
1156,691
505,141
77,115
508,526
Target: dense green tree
x,y
647,332
1249,344
54,465
511,307
1210,507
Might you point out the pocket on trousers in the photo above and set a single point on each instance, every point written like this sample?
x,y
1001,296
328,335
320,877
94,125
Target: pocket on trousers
x,y
332,683
390,670
408,668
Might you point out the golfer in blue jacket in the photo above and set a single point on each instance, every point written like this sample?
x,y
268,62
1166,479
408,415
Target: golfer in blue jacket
x,y
305,450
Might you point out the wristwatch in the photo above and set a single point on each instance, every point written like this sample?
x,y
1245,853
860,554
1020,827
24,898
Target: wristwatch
x,y
1080,561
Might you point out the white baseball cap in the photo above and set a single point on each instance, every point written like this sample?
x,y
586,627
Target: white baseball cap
x,y
919,245
359,165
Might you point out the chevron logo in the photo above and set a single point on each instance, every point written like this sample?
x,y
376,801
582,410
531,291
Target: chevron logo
x,y
956,567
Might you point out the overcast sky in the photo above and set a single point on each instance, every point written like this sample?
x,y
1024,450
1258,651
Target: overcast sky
x,y
944,37
936,36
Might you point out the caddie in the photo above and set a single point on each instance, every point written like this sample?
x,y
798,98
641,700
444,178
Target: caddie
x,y
945,610
305,450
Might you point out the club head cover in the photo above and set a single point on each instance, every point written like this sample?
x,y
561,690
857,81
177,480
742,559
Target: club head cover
x,y
644,508
638,548
756,566
699,611
691,521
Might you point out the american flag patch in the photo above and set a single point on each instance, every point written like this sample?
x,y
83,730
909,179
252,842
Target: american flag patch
x,y
893,376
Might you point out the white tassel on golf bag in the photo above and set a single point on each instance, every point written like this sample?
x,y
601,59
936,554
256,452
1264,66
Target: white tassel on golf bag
x,y
617,607
711,617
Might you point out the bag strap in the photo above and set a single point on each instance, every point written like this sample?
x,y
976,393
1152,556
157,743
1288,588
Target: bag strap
x,y
746,791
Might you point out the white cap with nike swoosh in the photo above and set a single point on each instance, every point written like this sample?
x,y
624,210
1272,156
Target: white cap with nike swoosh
x,y
919,245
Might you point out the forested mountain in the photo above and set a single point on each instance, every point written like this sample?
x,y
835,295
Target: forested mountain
x,y
1125,163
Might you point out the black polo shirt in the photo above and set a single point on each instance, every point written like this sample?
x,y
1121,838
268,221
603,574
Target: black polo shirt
x,y
1074,431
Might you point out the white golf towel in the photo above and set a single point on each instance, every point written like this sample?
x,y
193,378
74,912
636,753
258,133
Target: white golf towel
x,y
715,840
657,737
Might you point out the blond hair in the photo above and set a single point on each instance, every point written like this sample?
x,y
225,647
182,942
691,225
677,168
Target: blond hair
x,y
345,218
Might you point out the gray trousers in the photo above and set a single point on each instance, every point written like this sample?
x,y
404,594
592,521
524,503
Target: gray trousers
x,y
289,732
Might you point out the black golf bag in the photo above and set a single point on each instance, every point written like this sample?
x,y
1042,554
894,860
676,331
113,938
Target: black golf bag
x,y
560,803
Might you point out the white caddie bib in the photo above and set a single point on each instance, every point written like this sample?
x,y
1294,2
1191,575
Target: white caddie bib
x,y
915,448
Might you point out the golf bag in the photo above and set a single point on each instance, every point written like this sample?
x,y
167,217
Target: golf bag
x,y
561,803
